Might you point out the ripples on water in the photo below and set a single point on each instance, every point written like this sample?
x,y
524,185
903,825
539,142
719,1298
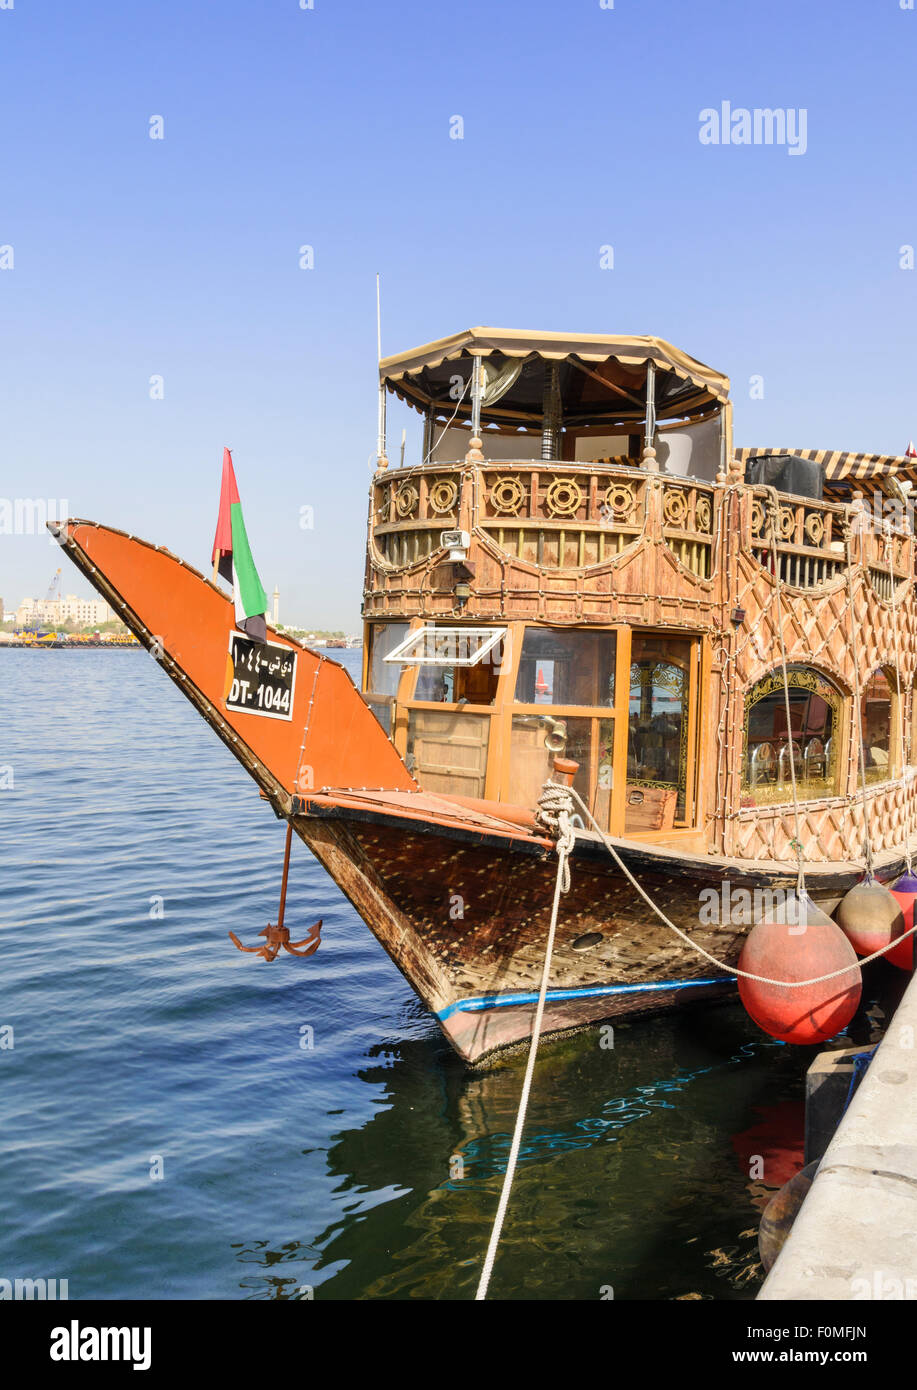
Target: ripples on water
x,y
368,1166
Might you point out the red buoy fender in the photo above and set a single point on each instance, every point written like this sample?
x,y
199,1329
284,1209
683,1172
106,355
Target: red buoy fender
x,y
905,893
805,947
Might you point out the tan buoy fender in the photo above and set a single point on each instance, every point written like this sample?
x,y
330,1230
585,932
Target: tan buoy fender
x,y
870,917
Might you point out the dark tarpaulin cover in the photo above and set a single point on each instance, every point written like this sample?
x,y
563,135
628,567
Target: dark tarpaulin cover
x,y
787,473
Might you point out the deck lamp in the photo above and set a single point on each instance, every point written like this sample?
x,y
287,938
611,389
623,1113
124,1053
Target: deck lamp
x,y
462,573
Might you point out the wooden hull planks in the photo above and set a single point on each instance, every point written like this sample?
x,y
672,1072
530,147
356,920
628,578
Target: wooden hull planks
x,y
465,919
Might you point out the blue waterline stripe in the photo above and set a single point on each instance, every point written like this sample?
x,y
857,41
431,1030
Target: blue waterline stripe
x,y
503,1001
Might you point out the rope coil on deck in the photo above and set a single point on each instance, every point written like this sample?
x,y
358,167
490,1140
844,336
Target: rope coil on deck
x,y
555,809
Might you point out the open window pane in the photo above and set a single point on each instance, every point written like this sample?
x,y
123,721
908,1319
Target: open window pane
x,y
476,685
447,646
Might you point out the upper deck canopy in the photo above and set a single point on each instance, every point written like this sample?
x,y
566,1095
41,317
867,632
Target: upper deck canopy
x,y
601,379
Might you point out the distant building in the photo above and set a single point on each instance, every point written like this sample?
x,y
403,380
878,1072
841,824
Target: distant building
x,y
82,612
275,615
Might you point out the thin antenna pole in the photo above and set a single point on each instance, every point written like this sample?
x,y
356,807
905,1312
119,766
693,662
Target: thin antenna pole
x,y
378,317
381,460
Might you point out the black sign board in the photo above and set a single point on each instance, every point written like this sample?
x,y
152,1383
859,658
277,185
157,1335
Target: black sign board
x,y
263,678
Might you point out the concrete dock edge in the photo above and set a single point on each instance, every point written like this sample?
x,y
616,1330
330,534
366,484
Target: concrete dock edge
x,y
855,1237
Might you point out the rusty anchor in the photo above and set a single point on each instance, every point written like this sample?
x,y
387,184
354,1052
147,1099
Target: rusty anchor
x,y
279,936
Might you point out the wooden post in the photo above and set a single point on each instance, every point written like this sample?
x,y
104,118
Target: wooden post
x,y
565,769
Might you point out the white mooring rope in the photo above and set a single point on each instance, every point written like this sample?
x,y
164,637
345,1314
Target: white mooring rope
x,y
556,806
857,694
778,597
908,799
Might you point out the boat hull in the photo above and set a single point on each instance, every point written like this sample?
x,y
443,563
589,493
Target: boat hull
x,y
465,916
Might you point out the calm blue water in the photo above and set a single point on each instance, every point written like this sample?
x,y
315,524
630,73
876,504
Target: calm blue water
x,y
366,1167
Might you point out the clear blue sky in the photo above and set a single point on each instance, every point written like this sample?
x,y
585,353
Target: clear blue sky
x,y
330,127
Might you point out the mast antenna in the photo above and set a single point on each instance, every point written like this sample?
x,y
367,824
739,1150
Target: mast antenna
x,y
378,318
381,460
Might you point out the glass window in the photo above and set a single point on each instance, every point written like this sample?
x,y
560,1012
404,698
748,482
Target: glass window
x,y
536,739
477,685
814,722
657,732
566,668
382,707
876,711
384,637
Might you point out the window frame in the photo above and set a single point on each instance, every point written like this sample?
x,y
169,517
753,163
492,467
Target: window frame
x,y
895,729
837,700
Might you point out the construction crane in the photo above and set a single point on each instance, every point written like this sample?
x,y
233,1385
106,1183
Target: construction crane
x,y
36,625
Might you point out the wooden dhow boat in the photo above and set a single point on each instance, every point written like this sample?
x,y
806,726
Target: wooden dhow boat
x,y
578,565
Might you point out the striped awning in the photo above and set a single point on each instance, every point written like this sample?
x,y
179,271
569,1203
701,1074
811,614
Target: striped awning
x,y
844,472
601,378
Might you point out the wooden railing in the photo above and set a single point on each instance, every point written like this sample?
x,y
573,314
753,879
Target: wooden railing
x,y
688,519
810,545
410,509
554,515
561,516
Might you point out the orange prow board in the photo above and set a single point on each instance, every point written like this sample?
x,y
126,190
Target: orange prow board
x,y
330,739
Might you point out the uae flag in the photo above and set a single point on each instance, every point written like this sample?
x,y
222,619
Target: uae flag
x,y
232,558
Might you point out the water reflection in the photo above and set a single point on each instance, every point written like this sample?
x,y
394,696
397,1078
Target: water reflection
x,y
626,1159
636,1172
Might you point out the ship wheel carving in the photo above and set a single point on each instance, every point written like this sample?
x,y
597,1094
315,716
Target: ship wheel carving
x,y
703,513
442,496
564,497
620,500
385,504
757,518
406,499
786,523
814,528
507,496
675,507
